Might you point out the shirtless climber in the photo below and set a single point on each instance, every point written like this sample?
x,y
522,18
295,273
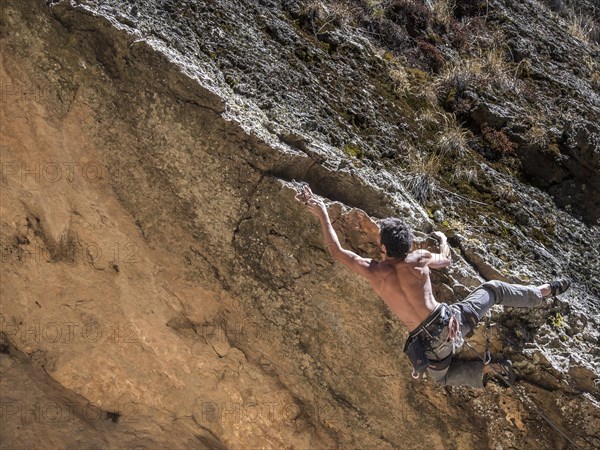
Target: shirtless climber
x,y
436,329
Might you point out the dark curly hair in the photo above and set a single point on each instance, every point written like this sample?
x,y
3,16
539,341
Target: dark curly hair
x,y
396,236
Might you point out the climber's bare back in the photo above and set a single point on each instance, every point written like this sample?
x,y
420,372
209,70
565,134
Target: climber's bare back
x,y
405,286
402,283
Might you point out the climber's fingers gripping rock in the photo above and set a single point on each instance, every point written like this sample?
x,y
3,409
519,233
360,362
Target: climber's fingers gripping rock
x,y
313,203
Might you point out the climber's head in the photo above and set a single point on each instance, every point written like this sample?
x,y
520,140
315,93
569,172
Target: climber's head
x,y
395,237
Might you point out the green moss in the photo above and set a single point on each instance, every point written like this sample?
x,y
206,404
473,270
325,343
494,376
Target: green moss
x,y
557,321
305,55
354,150
553,148
550,228
416,102
232,81
504,231
451,96
539,236
434,37
325,46
416,75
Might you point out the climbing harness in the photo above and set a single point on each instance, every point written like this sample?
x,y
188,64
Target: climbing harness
x,y
420,340
454,332
487,334
415,346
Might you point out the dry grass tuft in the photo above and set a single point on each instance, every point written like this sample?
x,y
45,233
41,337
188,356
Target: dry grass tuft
x,y
400,80
452,140
443,11
595,80
421,177
323,15
537,132
469,174
538,135
461,80
583,27
581,17
594,70
489,68
428,119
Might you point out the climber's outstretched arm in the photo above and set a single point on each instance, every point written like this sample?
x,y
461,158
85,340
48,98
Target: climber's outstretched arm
x,y
357,264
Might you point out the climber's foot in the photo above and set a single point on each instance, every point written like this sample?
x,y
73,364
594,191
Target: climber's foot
x,y
556,287
504,372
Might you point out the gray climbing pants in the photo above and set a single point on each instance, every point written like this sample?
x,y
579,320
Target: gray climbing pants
x,y
469,312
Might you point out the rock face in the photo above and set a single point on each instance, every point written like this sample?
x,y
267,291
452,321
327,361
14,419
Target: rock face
x,y
162,289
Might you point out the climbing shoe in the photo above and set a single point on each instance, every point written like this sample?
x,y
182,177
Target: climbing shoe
x,y
506,373
557,287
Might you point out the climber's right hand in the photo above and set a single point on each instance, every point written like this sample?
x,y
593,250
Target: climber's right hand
x,y
313,203
439,236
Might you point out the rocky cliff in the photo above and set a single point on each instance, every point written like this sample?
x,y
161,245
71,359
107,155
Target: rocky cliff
x,y
162,289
